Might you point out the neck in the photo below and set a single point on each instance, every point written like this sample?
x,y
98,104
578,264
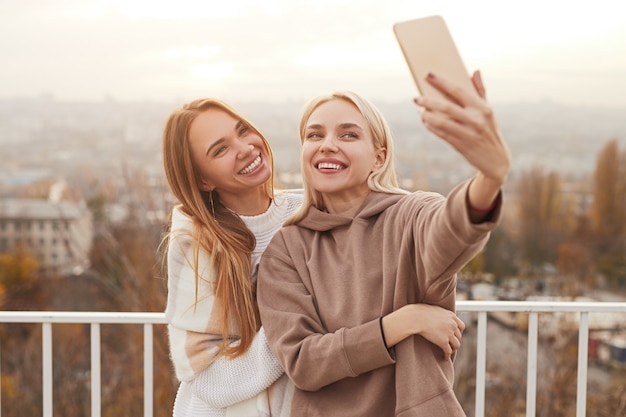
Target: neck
x,y
251,203
344,205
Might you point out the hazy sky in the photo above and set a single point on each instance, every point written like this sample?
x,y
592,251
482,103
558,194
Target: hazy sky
x,y
565,51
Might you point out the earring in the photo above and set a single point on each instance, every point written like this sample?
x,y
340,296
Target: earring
x,y
211,201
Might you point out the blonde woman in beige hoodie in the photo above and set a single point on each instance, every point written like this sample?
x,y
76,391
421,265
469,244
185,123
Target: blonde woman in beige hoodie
x,y
336,282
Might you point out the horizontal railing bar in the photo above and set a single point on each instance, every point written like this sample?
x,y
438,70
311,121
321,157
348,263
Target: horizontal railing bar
x,y
159,318
81,317
542,306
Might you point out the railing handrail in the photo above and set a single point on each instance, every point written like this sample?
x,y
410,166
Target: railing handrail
x,y
159,317
102,317
541,306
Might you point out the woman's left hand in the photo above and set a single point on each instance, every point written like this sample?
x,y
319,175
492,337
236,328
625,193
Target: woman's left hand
x,y
468,124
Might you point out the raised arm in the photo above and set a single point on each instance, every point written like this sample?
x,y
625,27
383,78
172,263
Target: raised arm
x,y
468,124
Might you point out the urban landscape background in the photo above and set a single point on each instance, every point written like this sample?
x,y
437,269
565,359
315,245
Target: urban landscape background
x,y
107,156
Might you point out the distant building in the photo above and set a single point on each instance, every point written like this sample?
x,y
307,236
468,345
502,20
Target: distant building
x,y
58,233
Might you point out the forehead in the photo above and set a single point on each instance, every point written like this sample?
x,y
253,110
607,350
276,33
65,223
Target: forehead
x,y
211,125
337,111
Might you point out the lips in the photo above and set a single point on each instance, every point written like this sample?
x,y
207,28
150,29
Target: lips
x,y
254,165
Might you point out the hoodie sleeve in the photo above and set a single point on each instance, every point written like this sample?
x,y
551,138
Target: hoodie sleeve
x,y
445,238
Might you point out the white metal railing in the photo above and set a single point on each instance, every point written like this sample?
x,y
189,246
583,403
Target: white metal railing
x,y
95,319
481,308
533,308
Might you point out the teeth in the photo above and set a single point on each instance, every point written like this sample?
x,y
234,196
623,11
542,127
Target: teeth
x,y
252,166
328,165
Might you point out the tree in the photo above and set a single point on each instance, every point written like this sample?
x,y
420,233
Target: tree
x,y
608,212
499,255
18,269
542,216
574,261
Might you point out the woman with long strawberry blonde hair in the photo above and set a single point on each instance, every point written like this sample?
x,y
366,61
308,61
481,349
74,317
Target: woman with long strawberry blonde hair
x,y
220,169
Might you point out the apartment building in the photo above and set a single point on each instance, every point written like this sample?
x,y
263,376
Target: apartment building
x,y
58,233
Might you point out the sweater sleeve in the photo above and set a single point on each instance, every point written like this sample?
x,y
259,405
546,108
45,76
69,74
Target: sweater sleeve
x,y
193,338
311,356
229,381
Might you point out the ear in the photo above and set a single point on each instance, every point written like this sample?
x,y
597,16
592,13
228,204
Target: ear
x,y
204,185
381,157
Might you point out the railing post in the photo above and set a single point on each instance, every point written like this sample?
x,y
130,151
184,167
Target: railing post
x,y
481,364
148,371
583,352
96,390
46,362
0,378
531,375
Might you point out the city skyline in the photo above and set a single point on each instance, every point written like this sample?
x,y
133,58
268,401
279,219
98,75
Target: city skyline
x,y
278,50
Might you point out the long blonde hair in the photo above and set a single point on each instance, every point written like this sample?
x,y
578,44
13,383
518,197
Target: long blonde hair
x,y
217,231
383,179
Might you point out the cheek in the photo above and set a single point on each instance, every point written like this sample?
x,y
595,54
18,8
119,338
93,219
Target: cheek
x,y
258,142
306,154
306,157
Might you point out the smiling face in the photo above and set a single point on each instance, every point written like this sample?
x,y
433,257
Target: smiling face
x,y
338,152
230,158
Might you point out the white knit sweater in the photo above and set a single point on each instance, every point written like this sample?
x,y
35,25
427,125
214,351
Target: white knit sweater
x,y
249,385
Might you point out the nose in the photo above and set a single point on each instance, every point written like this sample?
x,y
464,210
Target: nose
x,y
328,144
245,149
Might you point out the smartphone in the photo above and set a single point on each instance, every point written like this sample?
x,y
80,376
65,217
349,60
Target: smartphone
x,y
427,46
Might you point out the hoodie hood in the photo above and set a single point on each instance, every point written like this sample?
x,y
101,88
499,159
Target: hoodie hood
x,y
374,204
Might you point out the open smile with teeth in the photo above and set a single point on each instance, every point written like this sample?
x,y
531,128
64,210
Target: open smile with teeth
x,y
254,165
328,165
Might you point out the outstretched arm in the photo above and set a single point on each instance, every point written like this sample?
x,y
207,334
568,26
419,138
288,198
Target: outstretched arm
x,y
468,124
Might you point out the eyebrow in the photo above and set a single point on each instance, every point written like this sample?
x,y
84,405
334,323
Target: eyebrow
x,y
221,140
341,125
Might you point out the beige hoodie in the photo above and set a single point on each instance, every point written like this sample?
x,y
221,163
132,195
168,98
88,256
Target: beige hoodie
x,y
325,282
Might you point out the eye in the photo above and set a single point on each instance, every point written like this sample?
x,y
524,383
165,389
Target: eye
x,y
349,135
244,129
313,135
220,150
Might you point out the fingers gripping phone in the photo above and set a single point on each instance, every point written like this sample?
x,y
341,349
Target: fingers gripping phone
x,y
427,46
